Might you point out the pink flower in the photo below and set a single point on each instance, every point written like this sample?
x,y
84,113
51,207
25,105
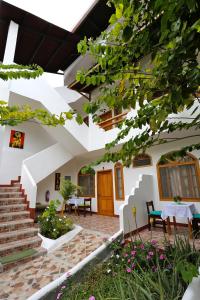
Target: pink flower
x,y
92,298
162,257
68,274
58,296
63,287
129,260
153,242
151,253
142,246
133,253
133,266
126,254
128,270
148,257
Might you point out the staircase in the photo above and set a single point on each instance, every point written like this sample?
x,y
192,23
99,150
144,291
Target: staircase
x,y
19,241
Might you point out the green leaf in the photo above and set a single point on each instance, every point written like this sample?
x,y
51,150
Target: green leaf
x,y
113,19
119,11
127,33
196,25
79,119
187,270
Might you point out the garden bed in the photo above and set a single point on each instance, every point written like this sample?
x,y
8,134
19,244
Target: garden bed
x,y
139,271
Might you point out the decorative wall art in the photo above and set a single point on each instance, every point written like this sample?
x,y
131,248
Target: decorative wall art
x,y
17,139
57,181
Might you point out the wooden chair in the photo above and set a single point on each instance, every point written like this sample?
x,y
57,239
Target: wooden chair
x,y
155,215
195,224
69,207
86,207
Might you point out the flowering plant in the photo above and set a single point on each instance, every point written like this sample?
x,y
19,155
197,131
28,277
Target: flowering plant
x,y
51,224
138,255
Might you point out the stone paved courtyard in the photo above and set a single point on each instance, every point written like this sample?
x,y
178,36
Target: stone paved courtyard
x,y
108,225
158,235
24,280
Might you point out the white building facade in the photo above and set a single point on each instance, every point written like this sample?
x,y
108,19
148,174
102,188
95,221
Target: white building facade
x,y
50,153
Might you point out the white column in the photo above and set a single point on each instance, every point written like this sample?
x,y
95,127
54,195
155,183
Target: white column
x,y
11,42
9,55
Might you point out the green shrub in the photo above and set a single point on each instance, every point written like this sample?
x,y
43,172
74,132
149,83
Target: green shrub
x,y
52,225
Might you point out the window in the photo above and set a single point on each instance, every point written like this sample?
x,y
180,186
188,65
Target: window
x,y
87,182
142,160
119,181
179,178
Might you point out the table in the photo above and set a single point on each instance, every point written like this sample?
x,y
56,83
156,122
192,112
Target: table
x,y
76,201
180,210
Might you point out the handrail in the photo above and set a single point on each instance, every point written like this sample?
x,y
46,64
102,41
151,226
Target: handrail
x,y
113,118
112,121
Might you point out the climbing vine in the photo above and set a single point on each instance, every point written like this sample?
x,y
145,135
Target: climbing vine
x,y
148,60
13,115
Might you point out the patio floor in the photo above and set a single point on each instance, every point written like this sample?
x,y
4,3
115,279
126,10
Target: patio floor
x,y
158,235
104,224
24,280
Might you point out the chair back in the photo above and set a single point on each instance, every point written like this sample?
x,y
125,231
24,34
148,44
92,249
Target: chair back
x,y
149,205
87,201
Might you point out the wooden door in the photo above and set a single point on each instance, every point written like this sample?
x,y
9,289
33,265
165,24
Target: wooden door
x,y
105,193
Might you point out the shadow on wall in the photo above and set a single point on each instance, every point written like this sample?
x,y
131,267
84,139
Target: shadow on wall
x,y
140,194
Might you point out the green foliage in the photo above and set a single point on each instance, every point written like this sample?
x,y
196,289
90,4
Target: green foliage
x,y
177,199
19,71
51,224
67,189
87,170
139,270
148,59
14,115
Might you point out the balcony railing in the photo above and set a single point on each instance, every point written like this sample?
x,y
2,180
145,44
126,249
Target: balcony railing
x,y
112,122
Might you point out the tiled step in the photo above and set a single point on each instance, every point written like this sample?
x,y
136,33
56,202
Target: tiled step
x,y
13,207
8,189
10,194
16,184
10,236
8,201
16,225
11,216
16,246
40,252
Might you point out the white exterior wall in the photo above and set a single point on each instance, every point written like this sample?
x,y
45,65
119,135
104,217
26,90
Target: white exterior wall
x,y
131,176
36,139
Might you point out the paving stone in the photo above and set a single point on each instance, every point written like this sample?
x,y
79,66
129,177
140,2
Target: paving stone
x,y
31,276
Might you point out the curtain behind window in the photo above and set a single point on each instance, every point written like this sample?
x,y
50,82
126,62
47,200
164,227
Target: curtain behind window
x,y
87,183
180,180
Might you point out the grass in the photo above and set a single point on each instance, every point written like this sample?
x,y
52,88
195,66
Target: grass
x,y
17,256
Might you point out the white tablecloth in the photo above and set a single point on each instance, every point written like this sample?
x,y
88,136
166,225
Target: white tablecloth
x,y
76,201
182,210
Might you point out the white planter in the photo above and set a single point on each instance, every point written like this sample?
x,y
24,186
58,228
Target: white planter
x,y
51,245
193,290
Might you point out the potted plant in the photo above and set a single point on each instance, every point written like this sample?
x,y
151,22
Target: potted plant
x,y
67,189
52,226
177,199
